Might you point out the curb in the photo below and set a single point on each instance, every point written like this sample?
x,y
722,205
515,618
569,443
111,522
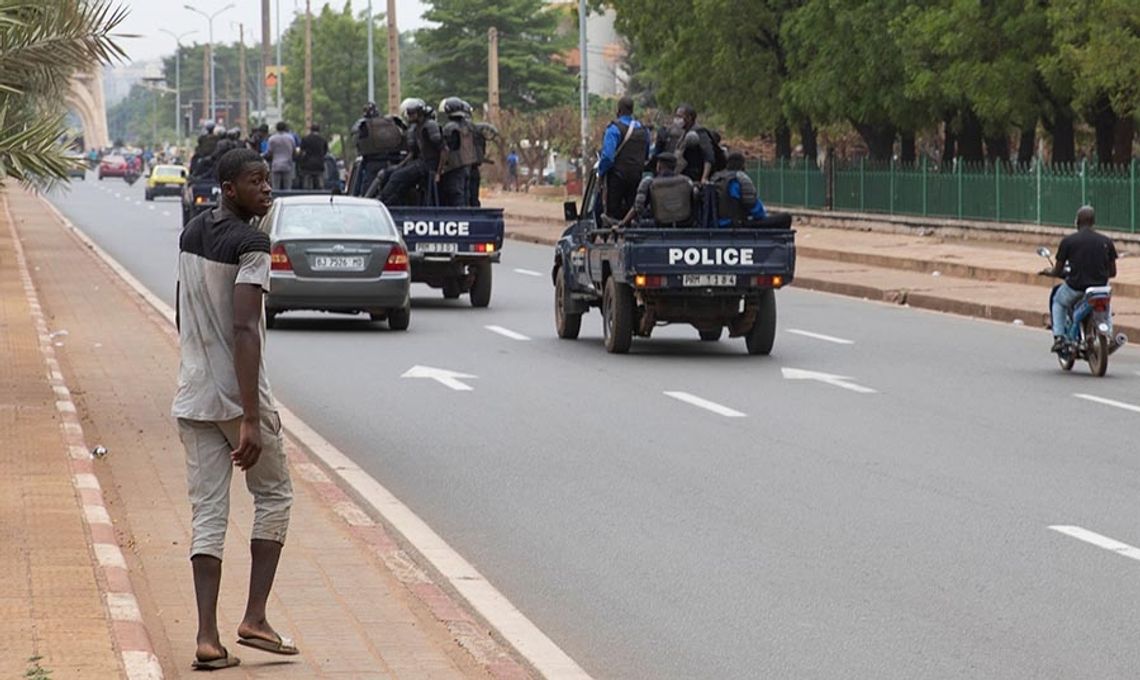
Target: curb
x,y
131,637
346,487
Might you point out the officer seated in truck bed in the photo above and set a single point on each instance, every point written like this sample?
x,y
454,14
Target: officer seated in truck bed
x,y
667,198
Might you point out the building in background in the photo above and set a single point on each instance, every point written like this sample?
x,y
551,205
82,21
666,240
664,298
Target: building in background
x,y
605,53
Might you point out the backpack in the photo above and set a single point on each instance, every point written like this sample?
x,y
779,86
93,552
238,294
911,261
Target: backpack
x,y
720,158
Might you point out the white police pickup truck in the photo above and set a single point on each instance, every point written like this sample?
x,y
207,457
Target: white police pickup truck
x,y
642,276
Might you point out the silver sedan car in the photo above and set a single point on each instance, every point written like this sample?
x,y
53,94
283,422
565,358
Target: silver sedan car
x,y
337,254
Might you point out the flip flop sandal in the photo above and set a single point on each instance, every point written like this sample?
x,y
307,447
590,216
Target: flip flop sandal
x,y
218,664
282,645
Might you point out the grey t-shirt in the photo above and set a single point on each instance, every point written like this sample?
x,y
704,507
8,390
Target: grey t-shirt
x,y
218,251
281,149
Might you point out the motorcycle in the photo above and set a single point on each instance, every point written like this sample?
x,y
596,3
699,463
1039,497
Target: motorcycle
x,y
1088,333
131,177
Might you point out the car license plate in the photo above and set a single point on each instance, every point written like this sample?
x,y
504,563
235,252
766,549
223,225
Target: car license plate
x,y
431,247
338,263
718,280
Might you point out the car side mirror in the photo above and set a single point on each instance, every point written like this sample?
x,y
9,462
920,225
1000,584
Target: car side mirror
x,y
1043,252
570,210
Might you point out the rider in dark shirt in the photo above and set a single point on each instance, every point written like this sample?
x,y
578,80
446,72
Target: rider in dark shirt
x,y
1091,257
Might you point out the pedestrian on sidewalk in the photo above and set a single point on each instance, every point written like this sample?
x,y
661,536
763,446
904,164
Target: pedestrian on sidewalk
x,y
314,148
225,410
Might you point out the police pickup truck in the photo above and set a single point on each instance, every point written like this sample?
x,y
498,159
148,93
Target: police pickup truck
x,y
642,276
199,195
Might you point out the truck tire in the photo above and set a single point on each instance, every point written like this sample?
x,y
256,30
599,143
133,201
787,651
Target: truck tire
x,y
711,335
617,317
271,318
452,289
400,318
566,323
763,334
481,289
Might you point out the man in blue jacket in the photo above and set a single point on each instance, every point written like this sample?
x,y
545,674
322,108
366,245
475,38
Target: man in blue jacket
x,y
625,149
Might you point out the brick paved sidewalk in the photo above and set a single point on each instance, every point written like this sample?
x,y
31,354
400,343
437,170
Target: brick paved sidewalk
x,y
50,602
349,614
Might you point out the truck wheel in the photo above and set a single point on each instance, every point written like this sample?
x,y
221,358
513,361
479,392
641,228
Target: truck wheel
x,y
481,289
567,324
711,335
617,317
149,196
763,334
451,289
270,318
399,318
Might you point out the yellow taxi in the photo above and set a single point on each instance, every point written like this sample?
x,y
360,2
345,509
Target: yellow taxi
x,y
165,180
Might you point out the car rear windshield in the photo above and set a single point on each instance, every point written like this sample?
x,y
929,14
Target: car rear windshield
x,y
168,170
333,219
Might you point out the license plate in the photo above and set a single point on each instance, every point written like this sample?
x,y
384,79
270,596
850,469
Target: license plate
x,y
338,263
432,247
718,280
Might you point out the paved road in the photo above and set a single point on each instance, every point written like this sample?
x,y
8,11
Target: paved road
x,y
830,532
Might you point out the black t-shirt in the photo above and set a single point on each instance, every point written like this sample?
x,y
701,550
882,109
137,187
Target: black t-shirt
x,y
1090,256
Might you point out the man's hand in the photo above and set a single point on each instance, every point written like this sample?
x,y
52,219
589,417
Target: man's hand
x,y
249,444
1045,272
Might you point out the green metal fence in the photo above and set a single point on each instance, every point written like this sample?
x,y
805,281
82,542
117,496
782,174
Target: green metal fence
x,y
999,192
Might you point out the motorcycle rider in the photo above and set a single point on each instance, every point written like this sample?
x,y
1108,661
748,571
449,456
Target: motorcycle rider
x,y
1091,257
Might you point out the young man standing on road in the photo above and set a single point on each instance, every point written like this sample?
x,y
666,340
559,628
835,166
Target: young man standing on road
x,y
1091,257
226,413
282,150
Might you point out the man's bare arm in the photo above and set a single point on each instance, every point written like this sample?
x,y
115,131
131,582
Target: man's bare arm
x,y
247,366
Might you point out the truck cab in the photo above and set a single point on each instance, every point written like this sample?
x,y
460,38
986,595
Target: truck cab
x,y
645,275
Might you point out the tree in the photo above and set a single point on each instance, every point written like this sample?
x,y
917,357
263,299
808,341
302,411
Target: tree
x,y
43,43
532,75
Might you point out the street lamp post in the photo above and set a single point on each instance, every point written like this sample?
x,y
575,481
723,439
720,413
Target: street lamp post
x,y
371,59
280,110
213,79
177,80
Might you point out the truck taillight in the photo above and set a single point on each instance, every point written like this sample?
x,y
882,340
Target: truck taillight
x,y
768,281
484,247
647,281
279,259
397,260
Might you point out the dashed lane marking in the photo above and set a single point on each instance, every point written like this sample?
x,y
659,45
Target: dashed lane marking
x,y
528,272
821,336
707,405
1093,538
1109,402
506,333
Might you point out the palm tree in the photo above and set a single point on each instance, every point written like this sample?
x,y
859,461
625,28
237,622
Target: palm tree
x,y
43,43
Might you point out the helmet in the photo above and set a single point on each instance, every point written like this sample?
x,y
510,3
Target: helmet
x,y
234,133
370,110
210,126
466,107
452,106
412,105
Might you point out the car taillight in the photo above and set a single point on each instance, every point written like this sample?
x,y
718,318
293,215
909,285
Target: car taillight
x,y
397,260
766,281
1099,304
279,259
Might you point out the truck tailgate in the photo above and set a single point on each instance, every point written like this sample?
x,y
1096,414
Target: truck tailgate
x,y
712,251
441,232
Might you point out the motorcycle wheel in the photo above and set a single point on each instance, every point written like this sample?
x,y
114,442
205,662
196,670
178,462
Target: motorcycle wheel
x,y
1098,355
1066,360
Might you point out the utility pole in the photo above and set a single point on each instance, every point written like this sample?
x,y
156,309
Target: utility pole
x,y
493,75
177,81
266,47
280,76
393,60
205,83
308,64
584,74
371,57
243,109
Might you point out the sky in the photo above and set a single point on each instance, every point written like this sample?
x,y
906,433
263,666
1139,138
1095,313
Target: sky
x,y
148,16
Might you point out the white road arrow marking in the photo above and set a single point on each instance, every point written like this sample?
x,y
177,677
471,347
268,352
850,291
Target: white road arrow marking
x,y
528,272
1111,544
507,333
442,376
833,380
821,336
705,404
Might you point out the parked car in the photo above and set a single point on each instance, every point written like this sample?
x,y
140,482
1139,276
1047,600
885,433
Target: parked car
x,y
165,180
112,166
78,167
337,254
